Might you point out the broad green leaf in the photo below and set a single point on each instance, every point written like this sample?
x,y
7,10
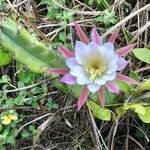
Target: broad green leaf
x,y
99,112
143,87
138,108
143,54
124,87
120,111
134,75
146,116
26,48
5,57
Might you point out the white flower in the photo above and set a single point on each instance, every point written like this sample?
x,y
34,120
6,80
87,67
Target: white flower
x,y
93,65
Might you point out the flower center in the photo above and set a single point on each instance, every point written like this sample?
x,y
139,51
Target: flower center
x,y
95,69
8,118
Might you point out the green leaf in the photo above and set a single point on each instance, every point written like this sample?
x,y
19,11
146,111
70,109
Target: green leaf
x,y
99,112
143,54
5,79
134,75
120,111
143,87
5,57
138,108
124,87
146,116
26,48
25,134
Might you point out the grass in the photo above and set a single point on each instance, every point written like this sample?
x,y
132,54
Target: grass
x,y
47,116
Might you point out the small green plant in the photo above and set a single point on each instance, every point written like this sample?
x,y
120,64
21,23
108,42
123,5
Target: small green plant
x,y
108,18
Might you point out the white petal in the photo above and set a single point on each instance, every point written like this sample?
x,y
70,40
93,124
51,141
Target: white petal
x,y
82,77
109,46
111,69
94,49
83,81
106,77
93,87
107,49
71,62
77,71
80,52
112,58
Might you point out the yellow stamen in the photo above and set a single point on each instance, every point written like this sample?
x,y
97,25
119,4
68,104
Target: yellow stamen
x,y
95,68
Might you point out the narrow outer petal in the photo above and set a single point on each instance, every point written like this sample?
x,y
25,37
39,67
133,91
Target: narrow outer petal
x,y
69,79
95,37
59,71
81,34
65,52
114,36
112,87
101,96
121,63
125,50
83,97
124,78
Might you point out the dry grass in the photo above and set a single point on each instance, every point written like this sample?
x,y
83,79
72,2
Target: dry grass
x,y
67,129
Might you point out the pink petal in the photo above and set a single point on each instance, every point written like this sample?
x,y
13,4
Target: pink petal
x,y
59,71
101,96
81,34
126,79
65,52
95,37
121,63
83,97
125,50
114,36
112,87
69,79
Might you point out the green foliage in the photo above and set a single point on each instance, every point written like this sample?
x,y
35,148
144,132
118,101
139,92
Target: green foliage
x,y
49,104
138,108
143,54
107,18
102,3
29,133
25,48
5,57
134,75
126,88
56,13
7,130
99,112
146,116
142,112
145,86
2,3
53,9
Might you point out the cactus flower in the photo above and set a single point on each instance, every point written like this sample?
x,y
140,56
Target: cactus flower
x,y
94,65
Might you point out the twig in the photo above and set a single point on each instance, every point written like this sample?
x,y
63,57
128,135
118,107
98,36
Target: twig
x,y
41,128
114,133
36,119
95,13
143,69
27,87
97,132
125,20
140,31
